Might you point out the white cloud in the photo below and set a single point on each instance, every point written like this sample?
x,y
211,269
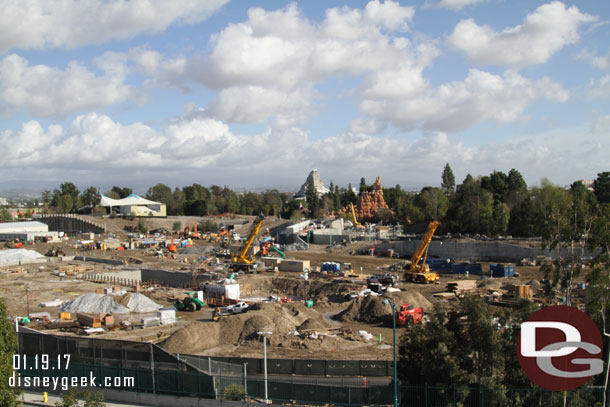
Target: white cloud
x,y
545,31
42,24
366,126
252,104
456,5
599,88
46,91
602,62
456,105
267,66
601,125
217,155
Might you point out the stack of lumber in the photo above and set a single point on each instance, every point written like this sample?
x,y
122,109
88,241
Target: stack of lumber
x,y
91,320
461,286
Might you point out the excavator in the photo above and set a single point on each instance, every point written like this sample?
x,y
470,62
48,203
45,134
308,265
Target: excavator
x,y
243,261
267,247
420,273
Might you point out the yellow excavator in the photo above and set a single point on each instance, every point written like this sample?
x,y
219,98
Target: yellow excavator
x,y
243,261
420,273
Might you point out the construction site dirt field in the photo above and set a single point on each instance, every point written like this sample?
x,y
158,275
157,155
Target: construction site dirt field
x,y
336,327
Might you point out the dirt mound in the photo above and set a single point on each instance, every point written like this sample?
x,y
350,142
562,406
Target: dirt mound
x,y
242,328
366,309
194,338
314,324
372,310
414,298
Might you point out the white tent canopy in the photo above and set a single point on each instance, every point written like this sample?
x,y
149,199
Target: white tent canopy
x,y
130,200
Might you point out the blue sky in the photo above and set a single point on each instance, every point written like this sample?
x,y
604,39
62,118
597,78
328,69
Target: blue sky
x,y
255,94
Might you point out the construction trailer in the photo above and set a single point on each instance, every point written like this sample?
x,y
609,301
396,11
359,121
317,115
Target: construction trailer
x,y
295,265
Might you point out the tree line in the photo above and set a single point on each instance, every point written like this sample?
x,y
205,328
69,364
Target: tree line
x,y
498,204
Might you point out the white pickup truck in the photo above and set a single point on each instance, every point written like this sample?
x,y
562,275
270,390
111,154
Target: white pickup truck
x,y
237,308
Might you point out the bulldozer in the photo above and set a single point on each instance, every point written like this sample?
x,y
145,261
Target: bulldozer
x,y
189,303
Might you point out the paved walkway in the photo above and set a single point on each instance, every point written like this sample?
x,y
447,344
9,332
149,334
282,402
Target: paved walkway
x,y
35,399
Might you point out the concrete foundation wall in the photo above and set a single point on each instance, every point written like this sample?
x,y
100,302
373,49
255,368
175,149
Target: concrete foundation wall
x,y
319,238
168,278
476,251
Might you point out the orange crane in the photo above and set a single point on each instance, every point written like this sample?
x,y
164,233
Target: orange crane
x,y
195,234
172,246
421,273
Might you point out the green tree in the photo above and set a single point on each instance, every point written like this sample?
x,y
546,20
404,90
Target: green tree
x,y
501,215
88,396
601,186
233,392
5,215
68,188
517,189
162,193
311,195
122,192
433,203
428,353
65,203
142,226
177,206
363,186
8,347
553,209
448,180
90,197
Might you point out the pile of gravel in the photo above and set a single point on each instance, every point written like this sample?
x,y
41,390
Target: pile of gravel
x,y
94,304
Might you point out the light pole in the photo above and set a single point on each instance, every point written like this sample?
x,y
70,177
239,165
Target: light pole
x,y
388,301
27,298
265,356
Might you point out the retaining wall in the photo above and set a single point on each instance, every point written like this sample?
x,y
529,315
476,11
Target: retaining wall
x,y
71,224
476,251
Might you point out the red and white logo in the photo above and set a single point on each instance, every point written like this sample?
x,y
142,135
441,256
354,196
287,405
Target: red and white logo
x,y
559,348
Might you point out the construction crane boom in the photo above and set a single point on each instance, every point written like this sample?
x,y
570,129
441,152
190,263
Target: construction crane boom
x,y
241,257
356,223
421,273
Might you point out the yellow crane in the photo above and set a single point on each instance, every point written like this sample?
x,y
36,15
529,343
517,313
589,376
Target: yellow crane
x,y
356,223
242,260
421,273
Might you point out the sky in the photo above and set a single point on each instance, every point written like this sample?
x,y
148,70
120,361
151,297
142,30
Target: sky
x,y
255,94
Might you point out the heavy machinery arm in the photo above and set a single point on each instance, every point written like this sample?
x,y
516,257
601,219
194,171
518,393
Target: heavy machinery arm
x,y
421,273
241,257
356,223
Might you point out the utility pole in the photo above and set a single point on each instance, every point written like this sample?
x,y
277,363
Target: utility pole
x,y
265,358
